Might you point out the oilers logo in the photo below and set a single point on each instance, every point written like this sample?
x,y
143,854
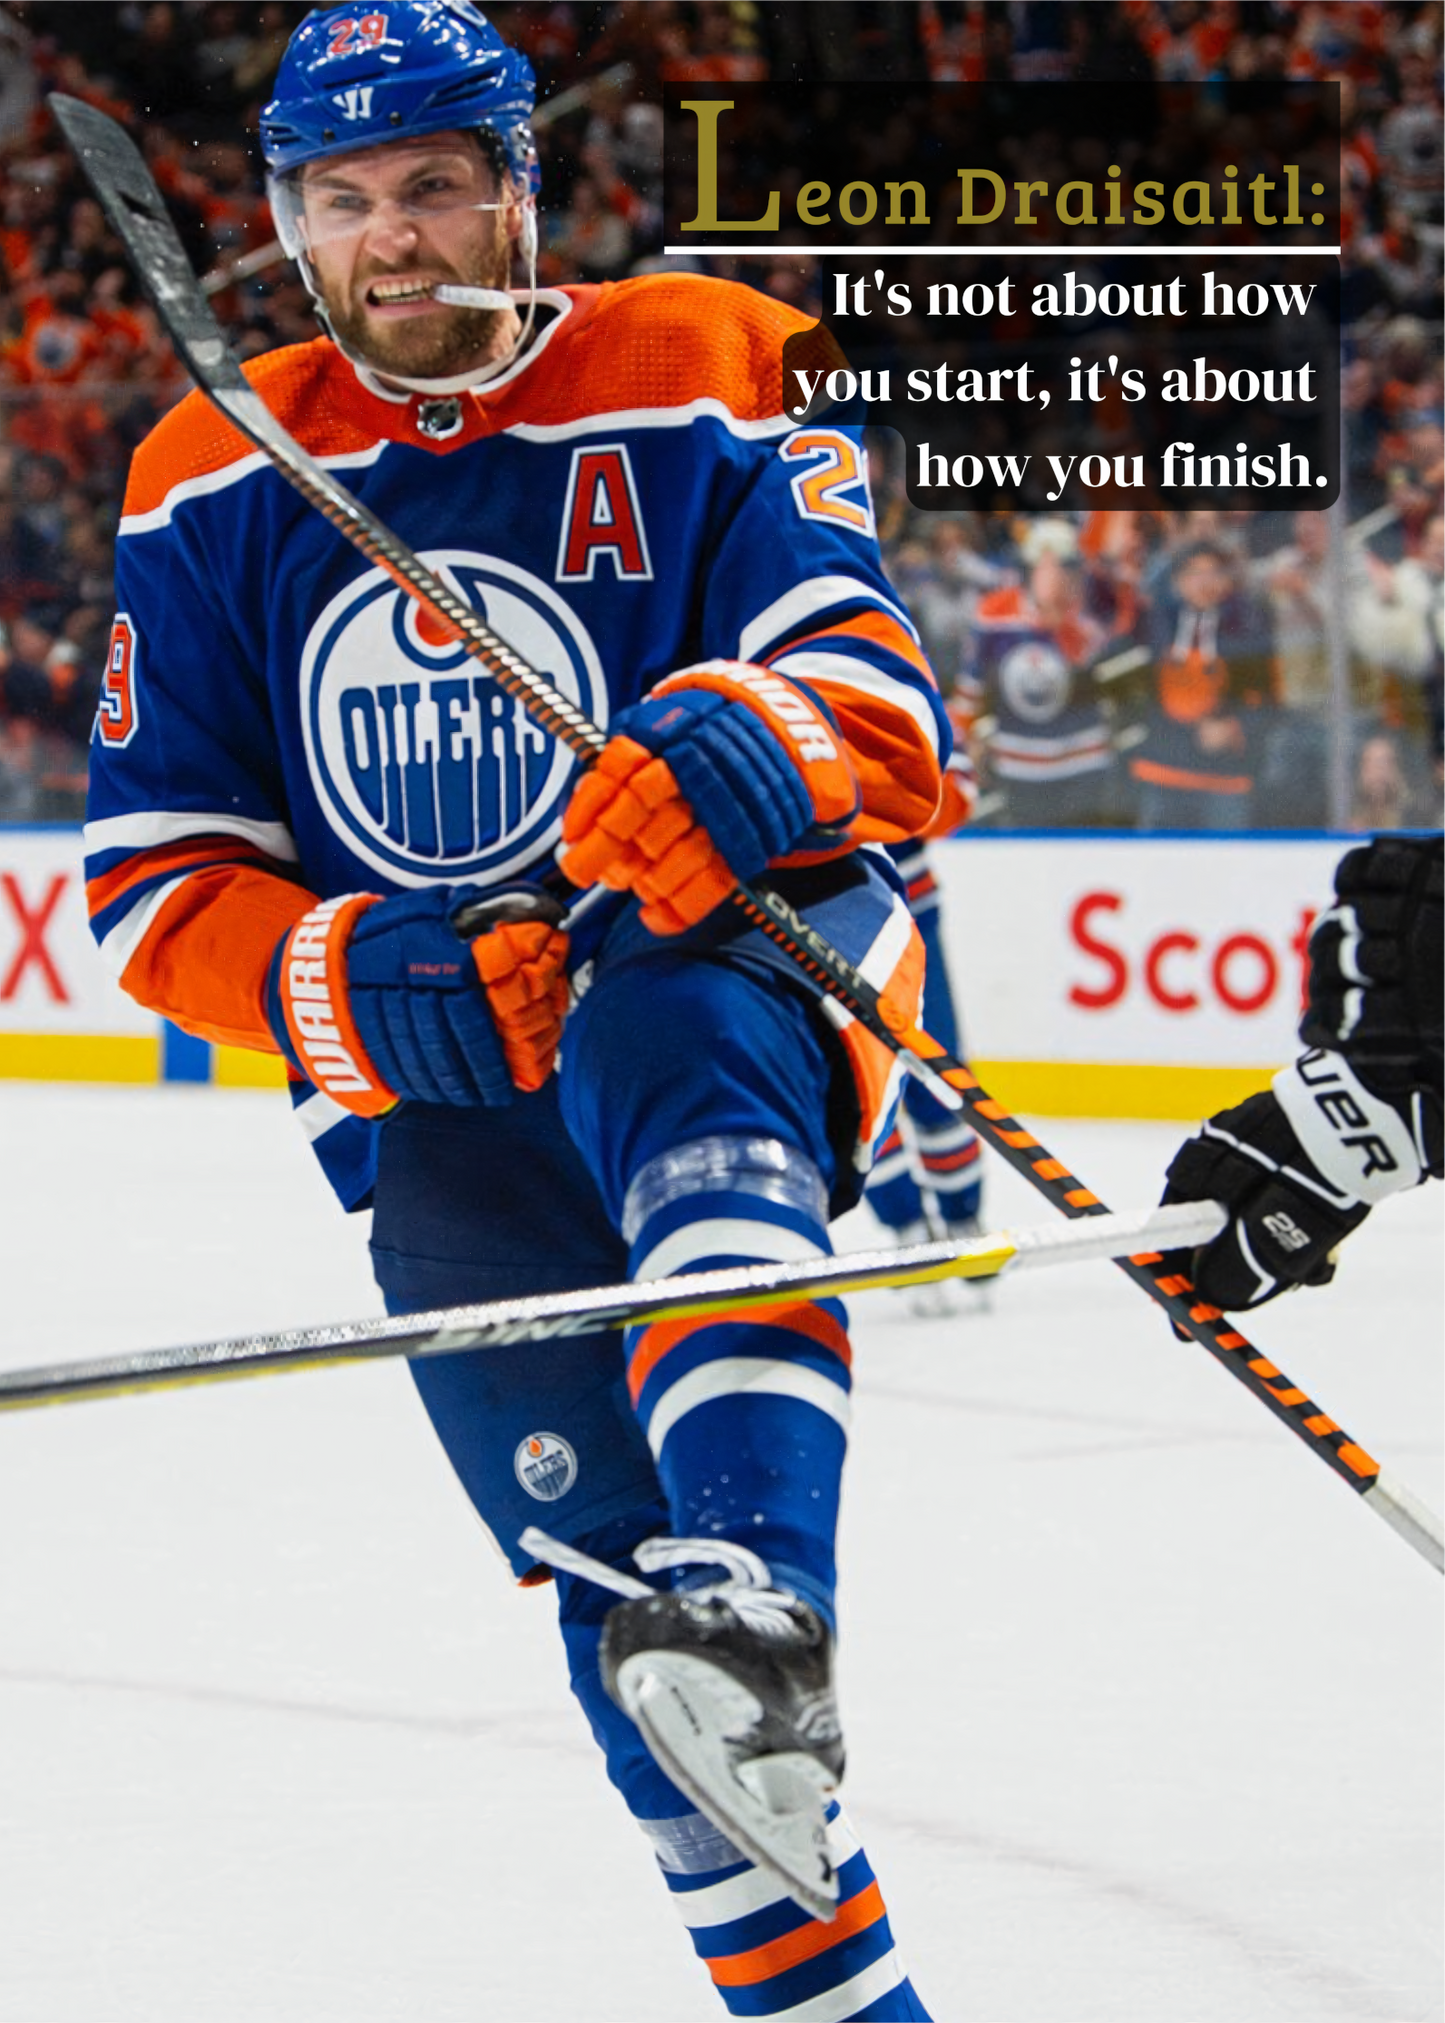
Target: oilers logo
x,y
546,1466
1034,680
423,766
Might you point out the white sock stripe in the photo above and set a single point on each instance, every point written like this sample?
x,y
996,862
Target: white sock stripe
x,y
843,1841
698,1244
834,2005
736,1896
731,1376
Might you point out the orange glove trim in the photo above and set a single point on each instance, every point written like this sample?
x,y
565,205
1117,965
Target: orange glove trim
x,y
522,966
318,1016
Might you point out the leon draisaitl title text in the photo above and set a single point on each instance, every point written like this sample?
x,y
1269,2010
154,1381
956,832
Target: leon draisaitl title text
x,y
986,199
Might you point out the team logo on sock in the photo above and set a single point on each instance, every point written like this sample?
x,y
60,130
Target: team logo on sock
x,y
423,765
546,1466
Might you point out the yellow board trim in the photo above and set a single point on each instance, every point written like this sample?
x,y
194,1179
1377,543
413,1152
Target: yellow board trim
x,y
1118,1089
1030,1088
80,1057
240,1068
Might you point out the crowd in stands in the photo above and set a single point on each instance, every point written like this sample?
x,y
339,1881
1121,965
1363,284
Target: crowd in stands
x,y
1214,667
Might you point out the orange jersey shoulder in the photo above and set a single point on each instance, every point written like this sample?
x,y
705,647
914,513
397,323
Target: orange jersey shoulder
x,y
658,341
195,441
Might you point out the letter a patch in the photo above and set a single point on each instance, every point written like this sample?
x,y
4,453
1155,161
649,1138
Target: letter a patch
x,y
602,516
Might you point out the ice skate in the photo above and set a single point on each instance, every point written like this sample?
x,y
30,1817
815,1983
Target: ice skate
x,y
732,1689
946,1299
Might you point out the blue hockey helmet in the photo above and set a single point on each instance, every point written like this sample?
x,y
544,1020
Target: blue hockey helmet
x,y
354,77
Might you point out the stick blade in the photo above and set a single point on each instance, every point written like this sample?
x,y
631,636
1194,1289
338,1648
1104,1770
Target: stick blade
x,y
126,192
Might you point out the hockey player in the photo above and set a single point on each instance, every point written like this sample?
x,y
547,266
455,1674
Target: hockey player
x,y
298,784
927,1181
1357,1117
1029,667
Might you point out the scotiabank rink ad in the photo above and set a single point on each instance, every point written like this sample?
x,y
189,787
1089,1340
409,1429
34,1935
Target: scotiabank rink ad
x,y
1131,976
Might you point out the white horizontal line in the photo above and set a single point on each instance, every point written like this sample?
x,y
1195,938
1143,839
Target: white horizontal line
x,y
1035,252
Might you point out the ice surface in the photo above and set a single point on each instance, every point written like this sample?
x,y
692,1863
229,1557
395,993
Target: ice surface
x,y
1143,1705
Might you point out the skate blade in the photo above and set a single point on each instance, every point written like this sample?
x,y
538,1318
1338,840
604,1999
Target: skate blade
x,y
949,1299
771,1809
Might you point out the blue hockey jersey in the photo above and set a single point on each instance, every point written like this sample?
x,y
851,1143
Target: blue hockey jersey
x,y
279,723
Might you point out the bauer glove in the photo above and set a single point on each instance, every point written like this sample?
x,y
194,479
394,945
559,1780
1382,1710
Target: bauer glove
x,y
379,1001
1298,1168
723,769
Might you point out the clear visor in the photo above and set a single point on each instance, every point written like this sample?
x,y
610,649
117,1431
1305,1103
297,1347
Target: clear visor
x,y
326,208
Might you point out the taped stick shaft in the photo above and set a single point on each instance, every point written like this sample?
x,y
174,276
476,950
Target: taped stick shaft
x,y
500,1323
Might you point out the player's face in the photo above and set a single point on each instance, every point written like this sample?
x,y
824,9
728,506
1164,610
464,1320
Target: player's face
x,y
385,226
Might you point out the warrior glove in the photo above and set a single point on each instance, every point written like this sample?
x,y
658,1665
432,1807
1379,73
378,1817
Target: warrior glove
x,y
379,1001
722,770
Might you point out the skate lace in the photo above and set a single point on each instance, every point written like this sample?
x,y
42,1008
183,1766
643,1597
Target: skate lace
x,y
746,1584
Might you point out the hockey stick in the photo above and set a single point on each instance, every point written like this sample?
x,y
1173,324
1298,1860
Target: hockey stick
x,y
132,203
544,1316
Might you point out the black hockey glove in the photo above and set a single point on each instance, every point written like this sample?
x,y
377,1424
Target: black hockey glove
x,y
1283,1226
1298,1167
1377,977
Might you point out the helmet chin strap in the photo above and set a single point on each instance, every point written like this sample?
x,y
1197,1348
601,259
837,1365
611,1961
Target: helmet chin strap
x,y
390,386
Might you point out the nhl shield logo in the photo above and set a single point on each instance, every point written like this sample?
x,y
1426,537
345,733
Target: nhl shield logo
x,y
422,764
546,1466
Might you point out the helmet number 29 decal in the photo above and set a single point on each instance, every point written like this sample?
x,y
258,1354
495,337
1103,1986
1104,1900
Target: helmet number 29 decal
x,y
348,38
832,469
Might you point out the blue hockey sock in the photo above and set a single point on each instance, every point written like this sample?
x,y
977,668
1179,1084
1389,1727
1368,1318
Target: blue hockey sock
x,y
768,1957
747,1416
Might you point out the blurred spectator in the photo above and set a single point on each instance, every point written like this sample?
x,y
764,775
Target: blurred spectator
x,y
1411,156
1042,726
1210,713
942,576
1294,776
1383,795
590,238
85,370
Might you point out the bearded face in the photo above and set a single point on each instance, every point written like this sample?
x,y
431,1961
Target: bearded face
x,y
385,227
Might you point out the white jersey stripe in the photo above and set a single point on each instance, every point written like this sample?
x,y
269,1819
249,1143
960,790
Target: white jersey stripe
x,y
827,670
681,416
234,474
319,1114
725,1236
121,943
143,832
805,601
730,1377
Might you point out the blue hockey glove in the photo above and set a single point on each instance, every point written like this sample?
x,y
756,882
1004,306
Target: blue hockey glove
x,y
724,769
377,1001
